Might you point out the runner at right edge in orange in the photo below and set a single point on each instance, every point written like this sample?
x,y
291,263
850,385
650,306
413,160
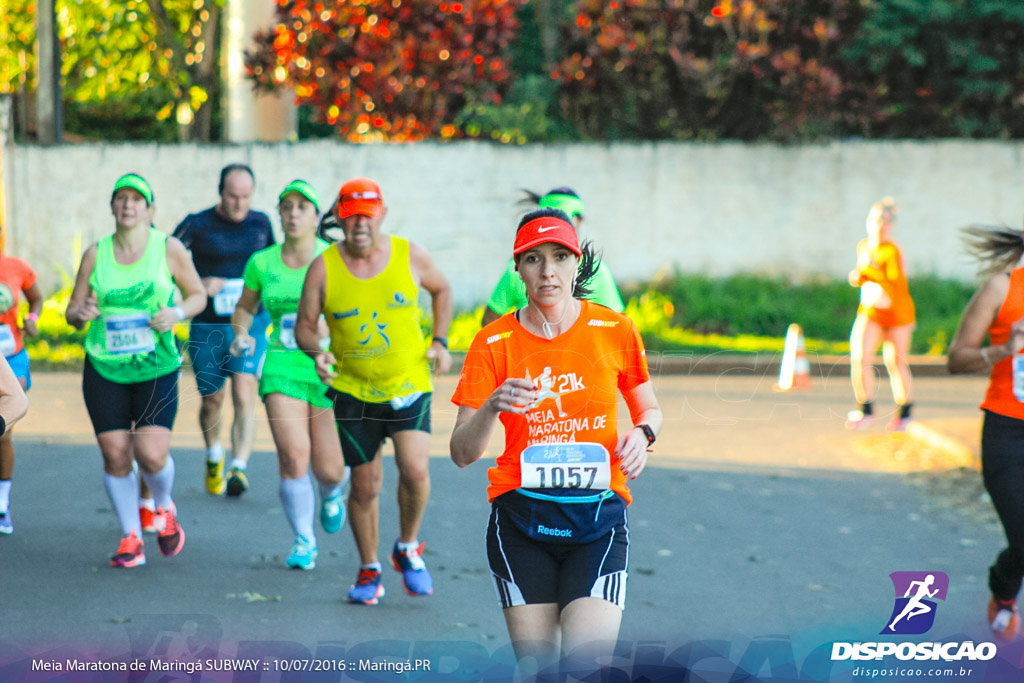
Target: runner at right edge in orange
x,y
996,311
551,373
885,317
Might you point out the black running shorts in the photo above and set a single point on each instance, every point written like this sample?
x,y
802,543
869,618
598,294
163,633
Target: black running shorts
x,y
362,427
112,406
531,572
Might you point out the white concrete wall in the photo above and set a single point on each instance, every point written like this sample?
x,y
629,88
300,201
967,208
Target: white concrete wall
x,y
716,209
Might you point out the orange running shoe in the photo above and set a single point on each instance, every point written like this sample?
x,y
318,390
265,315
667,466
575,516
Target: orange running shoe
x,y
170,537
131,552
1003,618
148,519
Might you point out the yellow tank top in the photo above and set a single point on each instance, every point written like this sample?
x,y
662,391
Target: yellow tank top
x,y
375,328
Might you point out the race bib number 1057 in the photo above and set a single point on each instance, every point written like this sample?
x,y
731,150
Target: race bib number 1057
x,y
566,465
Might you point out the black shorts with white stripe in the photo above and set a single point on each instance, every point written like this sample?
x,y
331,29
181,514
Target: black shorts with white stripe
x,y
531,572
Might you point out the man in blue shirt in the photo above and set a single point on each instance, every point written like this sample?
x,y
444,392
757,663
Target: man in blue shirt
x,y
222,239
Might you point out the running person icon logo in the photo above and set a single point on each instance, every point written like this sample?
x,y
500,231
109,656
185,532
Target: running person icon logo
x,y
914,610
554,386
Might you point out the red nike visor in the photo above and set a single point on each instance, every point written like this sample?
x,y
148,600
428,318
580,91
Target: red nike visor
x,y
546,229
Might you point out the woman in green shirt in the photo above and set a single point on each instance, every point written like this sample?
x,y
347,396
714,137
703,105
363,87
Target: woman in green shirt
x,y
301,417
510,292
124,291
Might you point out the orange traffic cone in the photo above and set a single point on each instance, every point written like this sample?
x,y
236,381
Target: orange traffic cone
x,y
795,371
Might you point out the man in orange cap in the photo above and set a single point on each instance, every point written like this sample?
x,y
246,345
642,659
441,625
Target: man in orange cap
x,y
379,371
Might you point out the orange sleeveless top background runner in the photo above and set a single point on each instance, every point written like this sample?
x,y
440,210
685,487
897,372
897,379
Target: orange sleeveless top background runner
x,y
883,265
999,397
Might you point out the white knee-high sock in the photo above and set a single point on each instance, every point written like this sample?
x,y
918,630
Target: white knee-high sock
x,y
124,495
299,500
5,495
331,490
161,484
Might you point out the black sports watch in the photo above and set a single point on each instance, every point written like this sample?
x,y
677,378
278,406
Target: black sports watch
x,y
648,432
443,341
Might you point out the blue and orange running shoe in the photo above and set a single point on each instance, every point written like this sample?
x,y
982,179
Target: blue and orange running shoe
x,y
368,589
415,576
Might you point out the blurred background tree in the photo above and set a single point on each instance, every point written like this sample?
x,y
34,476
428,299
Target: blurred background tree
x,y
691,69
514,71
132,69
936,68
395,70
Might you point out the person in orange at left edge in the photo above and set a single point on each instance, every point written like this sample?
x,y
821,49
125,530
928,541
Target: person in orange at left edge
x,y
885,317
16,277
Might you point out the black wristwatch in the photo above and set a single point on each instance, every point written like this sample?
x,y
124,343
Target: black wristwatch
x,y
648,432
443,341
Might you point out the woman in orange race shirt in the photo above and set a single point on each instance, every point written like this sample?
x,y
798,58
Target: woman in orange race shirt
x,y
885,317
551,373
996,311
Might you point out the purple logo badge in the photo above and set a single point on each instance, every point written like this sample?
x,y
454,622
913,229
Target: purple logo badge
x,y
916,592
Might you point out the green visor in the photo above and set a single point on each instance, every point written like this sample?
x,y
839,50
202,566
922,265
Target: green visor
x,y
303,188
572,206
135,182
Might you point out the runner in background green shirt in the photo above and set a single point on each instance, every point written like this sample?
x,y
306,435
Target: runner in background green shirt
x,y
510,293
301,417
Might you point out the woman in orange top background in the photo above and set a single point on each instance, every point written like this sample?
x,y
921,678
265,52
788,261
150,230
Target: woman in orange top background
x,y
16,279
885,317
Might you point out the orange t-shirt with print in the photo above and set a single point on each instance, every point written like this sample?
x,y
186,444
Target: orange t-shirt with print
x,y
15,277
579,374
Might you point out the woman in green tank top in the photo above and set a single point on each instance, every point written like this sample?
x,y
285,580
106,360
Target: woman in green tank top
x,y
124,291
301,418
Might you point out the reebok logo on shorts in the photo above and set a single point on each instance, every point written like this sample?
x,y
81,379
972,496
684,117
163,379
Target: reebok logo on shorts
x,y
549,531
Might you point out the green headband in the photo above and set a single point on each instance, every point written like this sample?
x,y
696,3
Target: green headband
x,y
573,206
134,182
303,188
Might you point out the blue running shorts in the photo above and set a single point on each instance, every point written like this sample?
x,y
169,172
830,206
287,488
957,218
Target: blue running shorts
x,y
19,364
209,346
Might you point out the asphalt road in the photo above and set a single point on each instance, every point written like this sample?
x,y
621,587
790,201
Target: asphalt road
x,y
761,532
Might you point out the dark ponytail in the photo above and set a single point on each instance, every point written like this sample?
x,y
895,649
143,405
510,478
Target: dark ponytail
x,y
997,248
532,198
590,258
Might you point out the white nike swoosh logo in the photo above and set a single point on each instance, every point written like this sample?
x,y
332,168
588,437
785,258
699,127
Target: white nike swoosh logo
x,y
550,227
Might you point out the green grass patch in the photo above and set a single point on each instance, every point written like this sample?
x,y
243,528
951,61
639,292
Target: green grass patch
x,y
688,313
763,307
